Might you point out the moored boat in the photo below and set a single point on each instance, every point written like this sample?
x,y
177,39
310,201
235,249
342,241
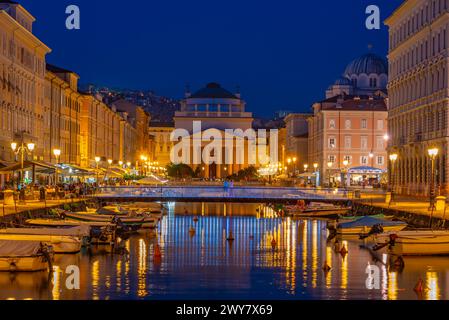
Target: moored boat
x,y
60,244
133,222
316,209
24,256
413,243
81,232
364,226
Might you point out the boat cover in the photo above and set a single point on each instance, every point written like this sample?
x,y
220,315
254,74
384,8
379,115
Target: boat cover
x,y
80,231
369,222
17,248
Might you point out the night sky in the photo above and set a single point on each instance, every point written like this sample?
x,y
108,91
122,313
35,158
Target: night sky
x,y
282,54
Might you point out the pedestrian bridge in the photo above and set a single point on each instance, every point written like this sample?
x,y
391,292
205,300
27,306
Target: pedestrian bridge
x,y
218,194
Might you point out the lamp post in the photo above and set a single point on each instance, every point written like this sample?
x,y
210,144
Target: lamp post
x,y
433,153
294,165
315,166
345,173
57,153
393,158
97,161
22,149
289,162
306,167
329,166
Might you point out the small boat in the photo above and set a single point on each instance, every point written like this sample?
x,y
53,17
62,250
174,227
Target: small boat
x,y
80,232
413,243
364,226
317,209
133,222
332,224
24,256
60,244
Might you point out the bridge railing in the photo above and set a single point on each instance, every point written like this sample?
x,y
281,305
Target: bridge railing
x,y
209,192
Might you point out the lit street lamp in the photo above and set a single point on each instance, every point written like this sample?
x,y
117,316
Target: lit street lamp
x,y
306,167
22,149
329,166
57,153
315,166
345,173
433,153
393,158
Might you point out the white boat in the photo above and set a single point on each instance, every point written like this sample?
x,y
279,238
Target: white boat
x,y
136,222
60,244
364,225
81,232
100,232
413,243
317,209
24,256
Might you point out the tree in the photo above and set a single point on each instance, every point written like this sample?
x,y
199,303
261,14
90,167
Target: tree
x,y
245,174
180,171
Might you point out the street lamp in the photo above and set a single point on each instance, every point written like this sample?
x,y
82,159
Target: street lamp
x,y
22,149
329,166
433,153
315,166
306,167
57,153
393,158
97,161
345,173
294,165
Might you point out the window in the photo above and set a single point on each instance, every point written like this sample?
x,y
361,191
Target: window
x,y
380,161
348,124
332,143
364,143
348,158
373,82
380,124
332,158
348,143
332,124
380,143
364,160
364,124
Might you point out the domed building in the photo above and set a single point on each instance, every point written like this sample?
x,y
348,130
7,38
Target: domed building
x,y
366,75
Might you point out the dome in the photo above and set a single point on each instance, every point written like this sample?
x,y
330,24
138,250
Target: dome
x,y
213,91
367,64
343,81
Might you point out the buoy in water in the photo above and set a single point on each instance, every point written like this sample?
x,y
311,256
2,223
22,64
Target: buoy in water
x,y
157,252
273,243
192,231
230,237
326,267
419,286
251,237
343,251
195,219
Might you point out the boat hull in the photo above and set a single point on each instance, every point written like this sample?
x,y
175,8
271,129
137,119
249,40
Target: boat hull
x,y
23,264
366,230
416,243
60,244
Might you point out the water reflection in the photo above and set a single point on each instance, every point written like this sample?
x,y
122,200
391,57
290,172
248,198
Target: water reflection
x,y
269,258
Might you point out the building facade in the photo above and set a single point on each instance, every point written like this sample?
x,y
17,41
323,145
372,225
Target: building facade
x,y
161,145
62,103
105,133
140,120
348,128
216,108
419,93
22,81
297,145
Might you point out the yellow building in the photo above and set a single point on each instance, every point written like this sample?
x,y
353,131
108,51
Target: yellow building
x,y
62,103
105,133
419,96
22,81
161,145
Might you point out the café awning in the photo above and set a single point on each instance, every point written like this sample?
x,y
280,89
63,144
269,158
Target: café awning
x,y
365,170
26,165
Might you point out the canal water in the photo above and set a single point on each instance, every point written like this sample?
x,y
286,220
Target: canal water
x,y
204,265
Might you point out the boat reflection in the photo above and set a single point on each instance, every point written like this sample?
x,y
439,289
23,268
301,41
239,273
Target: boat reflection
x,y
268,257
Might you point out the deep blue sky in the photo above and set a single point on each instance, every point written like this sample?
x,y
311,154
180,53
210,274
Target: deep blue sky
x,y
283,54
